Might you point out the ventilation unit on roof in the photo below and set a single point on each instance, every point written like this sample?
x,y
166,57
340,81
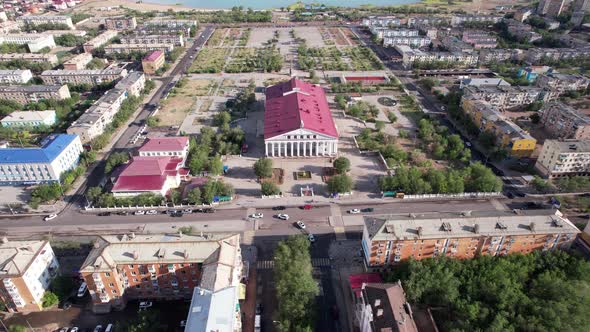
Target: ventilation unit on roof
x,y
446,226
501,225
476,228
532,226
557,223
420,231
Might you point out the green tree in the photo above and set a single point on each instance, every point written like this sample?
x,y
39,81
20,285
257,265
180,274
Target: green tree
x,y
269,188
482,179
194,196
379,125
215,166
263,168
342,165
49,299
16,328
296,289
114,160
340,184
175,196
152,121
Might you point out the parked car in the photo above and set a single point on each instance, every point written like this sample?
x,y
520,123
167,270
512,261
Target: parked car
x,y
311,238
209,210
82,290
354,211
50,217
109,328
177,214
283,216
367,210
259,308
98,328
67,305
279,208
104,214
123,213
139,213
75,329
300,224
63,329
145,304
307,207
183,323
257,215
187,211
152,212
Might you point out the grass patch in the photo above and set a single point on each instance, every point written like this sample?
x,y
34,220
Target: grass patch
x,y
209,60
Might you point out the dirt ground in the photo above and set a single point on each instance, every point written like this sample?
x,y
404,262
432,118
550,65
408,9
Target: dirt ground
x,y
175,108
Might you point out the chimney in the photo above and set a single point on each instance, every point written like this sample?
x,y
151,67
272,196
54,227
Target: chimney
x,y
377,302
379,312
132,235
4,240
135,255
185,254
95,244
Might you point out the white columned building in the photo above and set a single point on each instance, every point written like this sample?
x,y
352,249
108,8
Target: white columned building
x,y
298,121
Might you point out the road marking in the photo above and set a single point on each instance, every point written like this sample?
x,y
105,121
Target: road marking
x,y
315,262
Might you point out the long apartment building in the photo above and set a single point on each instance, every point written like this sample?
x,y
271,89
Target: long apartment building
x,y
46,19
35,42
535,56
563,83
458,20
44,164
422,21
479,39
508,134
171,23
30,57
144,48
163,30
563,121
163,267
382,21
396,238
412,41
411,56
121,23
176,40
25,94
382,32
94,121
99,40
26,271
10,76
78,62
560,158
488,56
93,77
507,97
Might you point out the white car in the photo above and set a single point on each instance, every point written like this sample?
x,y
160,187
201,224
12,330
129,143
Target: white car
x,y
139,213
145,304
300,224
257,215
50,217
152,212
311,238
187,211
82,289
283,216
109,328
63,329
354,211
98,328
75,329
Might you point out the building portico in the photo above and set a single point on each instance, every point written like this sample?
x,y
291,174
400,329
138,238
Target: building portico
x,y
301,148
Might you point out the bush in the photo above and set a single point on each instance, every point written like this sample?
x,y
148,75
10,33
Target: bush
x,y
49,299
263,168
340,184
342,165
269,188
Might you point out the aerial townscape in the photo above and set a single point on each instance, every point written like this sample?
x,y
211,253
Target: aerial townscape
x,y
331,166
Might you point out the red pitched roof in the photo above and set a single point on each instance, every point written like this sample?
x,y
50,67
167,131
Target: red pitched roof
x,y
165,144
146,173
357,280
296,104
153,56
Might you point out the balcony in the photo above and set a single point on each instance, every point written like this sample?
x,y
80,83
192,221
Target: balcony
x,y
104,298
171,268
151,269
96,277
7,282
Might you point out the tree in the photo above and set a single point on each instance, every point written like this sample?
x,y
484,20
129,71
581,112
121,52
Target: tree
x,y
342,165
49,299
296,289
340,184
263,168
175,196
269,188
482,179
221,119
93,193
215,166
152,121
16,328
194,196
114,160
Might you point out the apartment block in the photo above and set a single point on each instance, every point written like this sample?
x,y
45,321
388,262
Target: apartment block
x,y
508,134
44,164
46,19
35,42
176,40
128,48
563,121
423,21
563,82
464,235
458,20
100,40
33,119
171,23
382,21
162,267
410,56
33,93
95,120
560,158
488,56
78,62
163,30
10,76
30,57
134,83
9,27
522,32
552,8
27,269
382,32
214,310
538,55
479,39
58,33
152,62
86,76
383,307
120,23
416,42
508,97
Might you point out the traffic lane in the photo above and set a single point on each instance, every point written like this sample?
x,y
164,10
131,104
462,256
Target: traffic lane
x,y
315,214
420,207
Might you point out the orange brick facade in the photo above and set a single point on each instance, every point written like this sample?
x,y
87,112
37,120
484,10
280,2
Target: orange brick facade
x,y
19,285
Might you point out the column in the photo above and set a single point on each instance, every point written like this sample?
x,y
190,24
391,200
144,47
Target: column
x,y
286,144
305,149
273,148
266,149
335,147
297,149
323,148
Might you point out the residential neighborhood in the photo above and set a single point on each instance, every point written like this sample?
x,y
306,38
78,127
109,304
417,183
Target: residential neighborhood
x,y
293,166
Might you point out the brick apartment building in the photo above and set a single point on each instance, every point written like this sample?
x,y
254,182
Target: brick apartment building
x,y
564,121
464,235
163,267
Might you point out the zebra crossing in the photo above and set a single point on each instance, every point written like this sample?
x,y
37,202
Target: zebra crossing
x,y
315,262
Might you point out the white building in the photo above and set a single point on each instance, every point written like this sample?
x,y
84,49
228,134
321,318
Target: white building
x,y
100,40
128,48
415,41
29,119
10,76
30,57
24,94
57,154
176,40
298,121
86,76
381,21
214,310
46,19
26,271
381,32
560,158
176,146
35,42
78,62
134,83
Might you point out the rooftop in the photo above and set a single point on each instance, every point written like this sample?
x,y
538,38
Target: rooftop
x,y
50,149
29,116
107,71
153,56
212,311
30,88
484,82
391,312
15,256
146,173
568,146
468,224
160,144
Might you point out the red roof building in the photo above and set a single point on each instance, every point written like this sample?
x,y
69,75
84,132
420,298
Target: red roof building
x,y
356,281
298,121
165,146
365,80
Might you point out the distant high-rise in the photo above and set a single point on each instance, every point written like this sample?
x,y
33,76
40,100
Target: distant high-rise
x,y
551,7
582,5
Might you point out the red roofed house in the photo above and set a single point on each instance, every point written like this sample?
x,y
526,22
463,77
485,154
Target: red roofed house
x,y
298,122
158,168
152,62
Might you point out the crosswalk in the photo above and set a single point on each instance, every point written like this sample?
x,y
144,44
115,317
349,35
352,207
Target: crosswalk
x,y
315,262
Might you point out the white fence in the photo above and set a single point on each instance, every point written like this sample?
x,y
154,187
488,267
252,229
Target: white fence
x,y
458,196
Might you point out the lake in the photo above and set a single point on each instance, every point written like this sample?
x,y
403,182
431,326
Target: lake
x,y
266,4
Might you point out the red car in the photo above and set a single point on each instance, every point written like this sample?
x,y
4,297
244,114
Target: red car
x,y
307,207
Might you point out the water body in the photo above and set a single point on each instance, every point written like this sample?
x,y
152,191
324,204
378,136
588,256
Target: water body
x,y
267,4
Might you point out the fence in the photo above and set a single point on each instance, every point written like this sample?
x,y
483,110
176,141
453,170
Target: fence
x,y
459,196
148,207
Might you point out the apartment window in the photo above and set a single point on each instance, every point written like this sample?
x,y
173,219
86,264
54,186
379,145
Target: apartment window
x,y
137,286
133,273
111,285
135,280
131,266
114,291
107,274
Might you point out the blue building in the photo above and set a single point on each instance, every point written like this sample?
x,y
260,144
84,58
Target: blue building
x,y
531,73
56,155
